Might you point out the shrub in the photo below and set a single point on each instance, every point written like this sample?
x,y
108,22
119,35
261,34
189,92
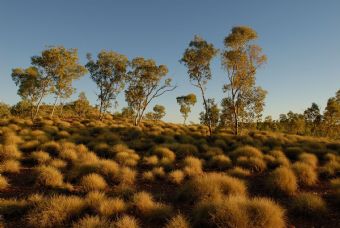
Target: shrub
x,y
40,157
93,181
309,159
176,176
3,183
238,211
192,166
148,208
220,162
308,204
49,176
126,221
305,173
92,222
282,181
178,221
212,185
10,166
55,211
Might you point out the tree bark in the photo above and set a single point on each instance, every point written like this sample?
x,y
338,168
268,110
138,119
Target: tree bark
x,y
54,105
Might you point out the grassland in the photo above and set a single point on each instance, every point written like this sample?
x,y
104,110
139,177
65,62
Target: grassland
x,y
89,173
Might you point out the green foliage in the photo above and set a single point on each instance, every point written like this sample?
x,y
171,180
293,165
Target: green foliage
x,y
241,59
5,110
109,74
144,84
185,102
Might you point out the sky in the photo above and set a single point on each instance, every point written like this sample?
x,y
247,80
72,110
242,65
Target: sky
x,y
300,38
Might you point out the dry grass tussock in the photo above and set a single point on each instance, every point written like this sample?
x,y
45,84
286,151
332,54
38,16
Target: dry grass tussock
x,y
150,209
55,211
282,181
212,185
238,211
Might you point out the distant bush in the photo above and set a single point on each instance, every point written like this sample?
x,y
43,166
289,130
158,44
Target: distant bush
x,y
282,181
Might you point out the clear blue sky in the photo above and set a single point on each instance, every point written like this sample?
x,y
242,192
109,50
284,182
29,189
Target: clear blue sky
x,y
300,38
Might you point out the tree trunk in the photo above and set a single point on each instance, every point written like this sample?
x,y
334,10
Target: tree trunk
x,y
206,110
54,105
38,107
236,124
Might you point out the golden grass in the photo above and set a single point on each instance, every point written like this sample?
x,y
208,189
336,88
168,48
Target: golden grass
x,y
308,204
178,221
192,166
10,166
93,181
93,222
55,211
212,185
150,209
9,152
238,211
49,176
305,173
40,157
126,221
176,177
282,181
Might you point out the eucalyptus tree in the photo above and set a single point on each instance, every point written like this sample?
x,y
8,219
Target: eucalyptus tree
x,y
197,58
145,83
241,60
61,67
33,87
109,74
185,103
